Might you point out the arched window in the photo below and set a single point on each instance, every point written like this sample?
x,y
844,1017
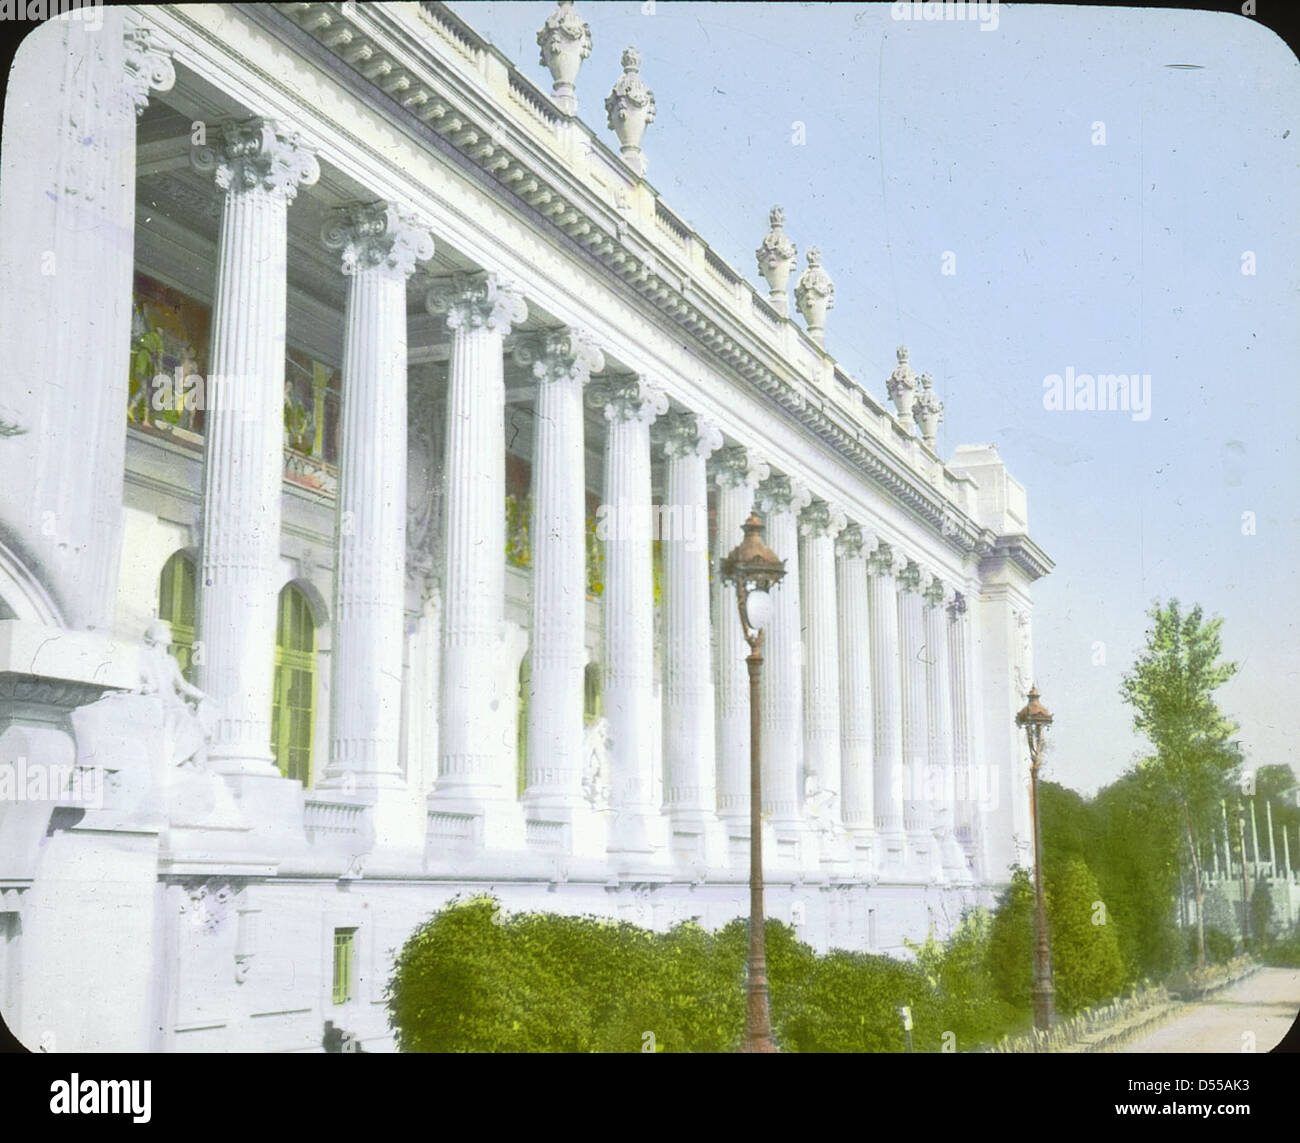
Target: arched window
x,y
293,709
176,604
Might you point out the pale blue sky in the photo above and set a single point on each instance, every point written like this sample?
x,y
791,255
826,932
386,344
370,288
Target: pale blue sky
x,y
929,137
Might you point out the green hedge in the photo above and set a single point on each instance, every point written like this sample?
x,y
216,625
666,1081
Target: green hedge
x,y
475,979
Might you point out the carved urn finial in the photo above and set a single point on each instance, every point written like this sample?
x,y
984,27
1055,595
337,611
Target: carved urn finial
x,y
565,40
776,261
630,107
814,294
928,410
902,388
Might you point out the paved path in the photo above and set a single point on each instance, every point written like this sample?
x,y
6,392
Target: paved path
x,y
1265,1003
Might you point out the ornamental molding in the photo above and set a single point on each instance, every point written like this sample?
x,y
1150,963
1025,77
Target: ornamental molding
x,y
432,99
627,397
148,63
560,354
380,236
257,154
689,434
477,301
736,465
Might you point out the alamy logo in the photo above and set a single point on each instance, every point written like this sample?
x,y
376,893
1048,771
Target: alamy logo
x,y
1104,393
75,1096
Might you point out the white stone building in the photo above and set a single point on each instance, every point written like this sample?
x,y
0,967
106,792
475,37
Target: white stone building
x,y
353,353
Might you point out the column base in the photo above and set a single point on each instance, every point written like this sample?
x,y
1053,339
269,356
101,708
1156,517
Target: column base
x,y
862,852
272,807
234,761
698,839
565,825
636,835
891,853
459,820
924,859
736,836
955,869
791,850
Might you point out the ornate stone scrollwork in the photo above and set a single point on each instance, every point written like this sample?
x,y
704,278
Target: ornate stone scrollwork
x,y
560,354
626,397
683,433
379,236
630,109
901,385
148,65
565,41
477,301
821,519
258,154
776,260
734,465
928,410
814,294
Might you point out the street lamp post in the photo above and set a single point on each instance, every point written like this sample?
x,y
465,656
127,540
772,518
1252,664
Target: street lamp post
x,y
755,570
1035,719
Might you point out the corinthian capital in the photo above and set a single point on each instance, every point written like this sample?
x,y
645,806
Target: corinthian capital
x,y
935,592
735,465
820,519
258,154
850,544
477,301
884,561
627,397
687,433
783,494
957,606
378,236
148,65
562,354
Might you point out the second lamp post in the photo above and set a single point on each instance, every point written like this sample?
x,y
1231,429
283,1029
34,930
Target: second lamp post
x,y
755,570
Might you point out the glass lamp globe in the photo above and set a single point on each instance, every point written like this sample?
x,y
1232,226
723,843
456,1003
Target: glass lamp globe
x,y
758,609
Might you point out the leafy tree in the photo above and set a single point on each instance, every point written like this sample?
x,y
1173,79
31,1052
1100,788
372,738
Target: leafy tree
x,y
1261,911
1171,689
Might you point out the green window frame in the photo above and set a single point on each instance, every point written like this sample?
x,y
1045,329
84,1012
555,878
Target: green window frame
x,y
345,959
177,604
293,707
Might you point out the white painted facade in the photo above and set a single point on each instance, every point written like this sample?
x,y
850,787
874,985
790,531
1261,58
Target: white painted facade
x,y
503,311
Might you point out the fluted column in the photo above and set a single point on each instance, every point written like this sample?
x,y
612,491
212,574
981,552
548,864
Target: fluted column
x,y
690,795
857,695
630,404
781,499
562,361
941,780
819,523
917,816
737,474
380,244
966,793
259,164
884,565
67,239
476,761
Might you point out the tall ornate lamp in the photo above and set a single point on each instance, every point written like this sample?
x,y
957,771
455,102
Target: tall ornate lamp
x,y
1035,720
755,570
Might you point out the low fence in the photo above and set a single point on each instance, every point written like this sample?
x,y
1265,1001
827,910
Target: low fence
x,y
1106,1026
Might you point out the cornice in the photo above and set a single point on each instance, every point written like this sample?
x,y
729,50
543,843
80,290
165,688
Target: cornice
x,y
484,134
